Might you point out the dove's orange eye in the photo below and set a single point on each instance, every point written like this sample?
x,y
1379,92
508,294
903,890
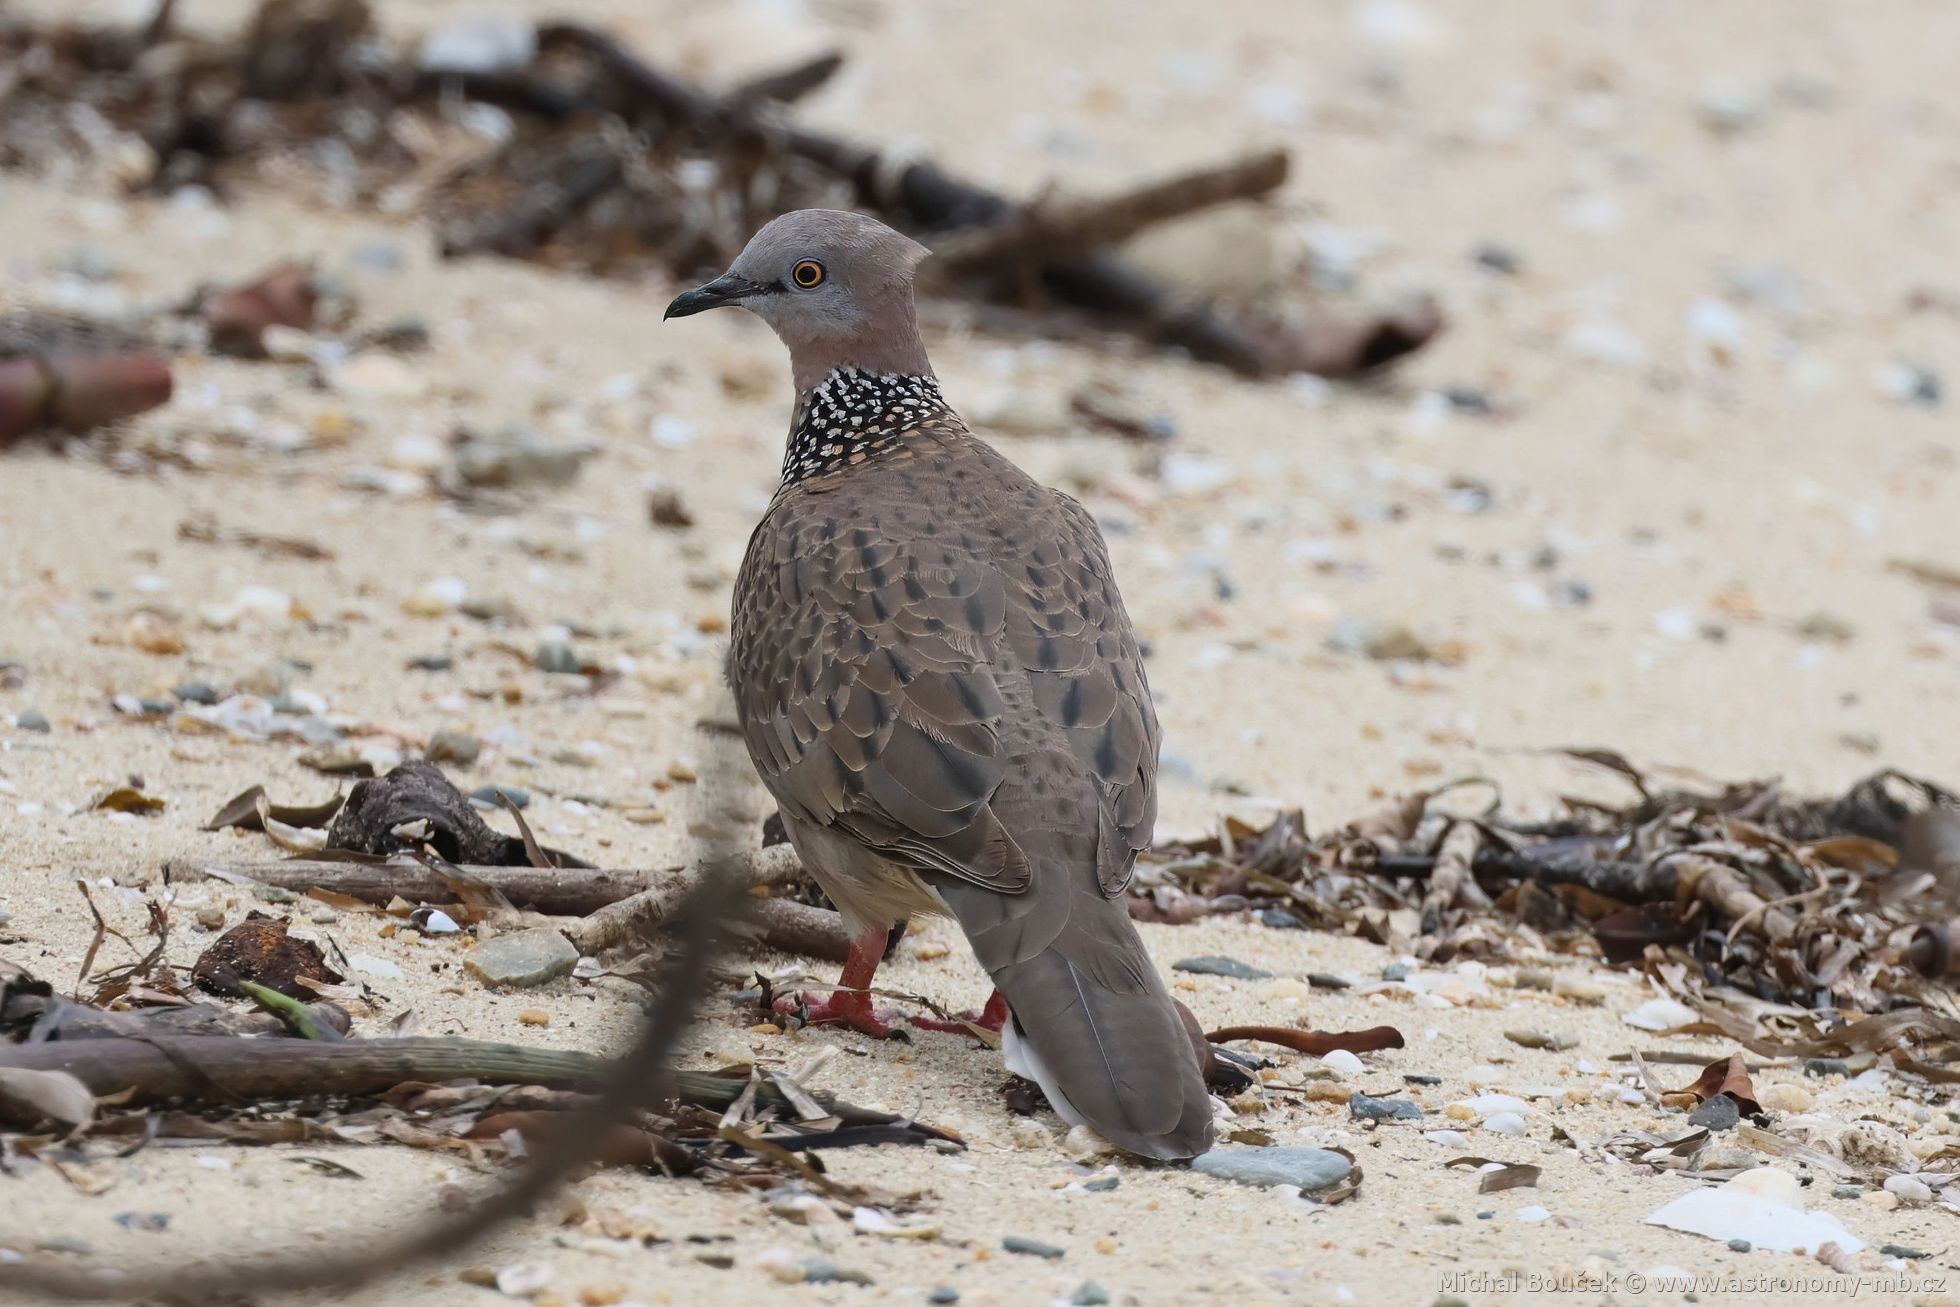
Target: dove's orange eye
x,y
807,274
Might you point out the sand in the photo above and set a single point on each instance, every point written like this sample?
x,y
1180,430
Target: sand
x,y
1692,423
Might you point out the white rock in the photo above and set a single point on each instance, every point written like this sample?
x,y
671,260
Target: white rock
x,y
1599,341
436,598
1194,474
1659,1014
1910,1188
524,1280
378,376
1342,1061
1506,1123
1485,1106
480,43
1447,1138
1764,1206
379,968
1533,1214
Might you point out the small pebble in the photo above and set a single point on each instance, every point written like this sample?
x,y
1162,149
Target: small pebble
x,y
32,720
1909,1188
1718,1113
1395,971
534,1016
1848,1191
1506,1123
522,958
485,796
1365,1108
943,1294
821,1270
1826,1066
1900,1250
431,662
1015,1243
196,692
458,747
1739,1245
1090,1294
1307,1169
1219,966
1102,1184
1281,919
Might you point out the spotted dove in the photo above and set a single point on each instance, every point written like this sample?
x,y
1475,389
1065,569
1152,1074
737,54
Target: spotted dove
x,y
938,683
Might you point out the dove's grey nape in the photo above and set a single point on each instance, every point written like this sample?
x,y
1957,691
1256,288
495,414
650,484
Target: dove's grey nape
x,y
937,681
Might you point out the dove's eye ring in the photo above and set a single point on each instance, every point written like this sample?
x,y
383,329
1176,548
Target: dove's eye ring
x,y
808,275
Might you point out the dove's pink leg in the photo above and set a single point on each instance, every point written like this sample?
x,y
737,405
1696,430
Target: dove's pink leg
x,y
850,1003
993,1017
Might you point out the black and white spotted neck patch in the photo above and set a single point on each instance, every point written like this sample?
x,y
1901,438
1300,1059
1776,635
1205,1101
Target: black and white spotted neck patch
x,y
854,415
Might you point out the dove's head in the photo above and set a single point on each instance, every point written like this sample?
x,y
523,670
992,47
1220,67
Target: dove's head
x,y
835,286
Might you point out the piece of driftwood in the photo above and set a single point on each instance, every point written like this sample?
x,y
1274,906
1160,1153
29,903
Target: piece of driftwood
x,y
920,195
49,1017
1064,228
645,913
77,392
1317,1043
616,905
561,892
219,1070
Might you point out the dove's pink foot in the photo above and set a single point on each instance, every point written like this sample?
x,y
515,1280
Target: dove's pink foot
x,y
992,1017
850,1003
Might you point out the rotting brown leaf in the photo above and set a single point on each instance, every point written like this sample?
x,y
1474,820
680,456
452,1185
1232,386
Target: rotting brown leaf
x,y
1730,1076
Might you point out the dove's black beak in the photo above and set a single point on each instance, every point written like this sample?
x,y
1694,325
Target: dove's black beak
x,y
728,288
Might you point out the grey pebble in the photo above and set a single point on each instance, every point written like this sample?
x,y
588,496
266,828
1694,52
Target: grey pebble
x,y
485,796
1826,1066
1418,1078
1364,1108
1497,257
458,747
943,1294
32,720
1718,1113
1102,1184
1327,980
821,1270
431,662
1900,1250
1090,1294
1281,919
1015,1243
523,958
196,692
557,656
1740,1245
1217,966
1848,1191
1308,1168
1395,971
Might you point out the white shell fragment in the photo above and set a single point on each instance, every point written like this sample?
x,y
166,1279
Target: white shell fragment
x,y
1763,1206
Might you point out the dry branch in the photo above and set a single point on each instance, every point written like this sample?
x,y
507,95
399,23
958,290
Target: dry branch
x,y
1052,229
566,892
640,916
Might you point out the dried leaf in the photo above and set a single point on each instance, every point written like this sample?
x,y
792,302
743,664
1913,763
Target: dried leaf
x,y
1728,1076
127,798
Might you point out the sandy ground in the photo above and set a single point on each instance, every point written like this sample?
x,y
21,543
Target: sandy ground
x,y
1732,224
